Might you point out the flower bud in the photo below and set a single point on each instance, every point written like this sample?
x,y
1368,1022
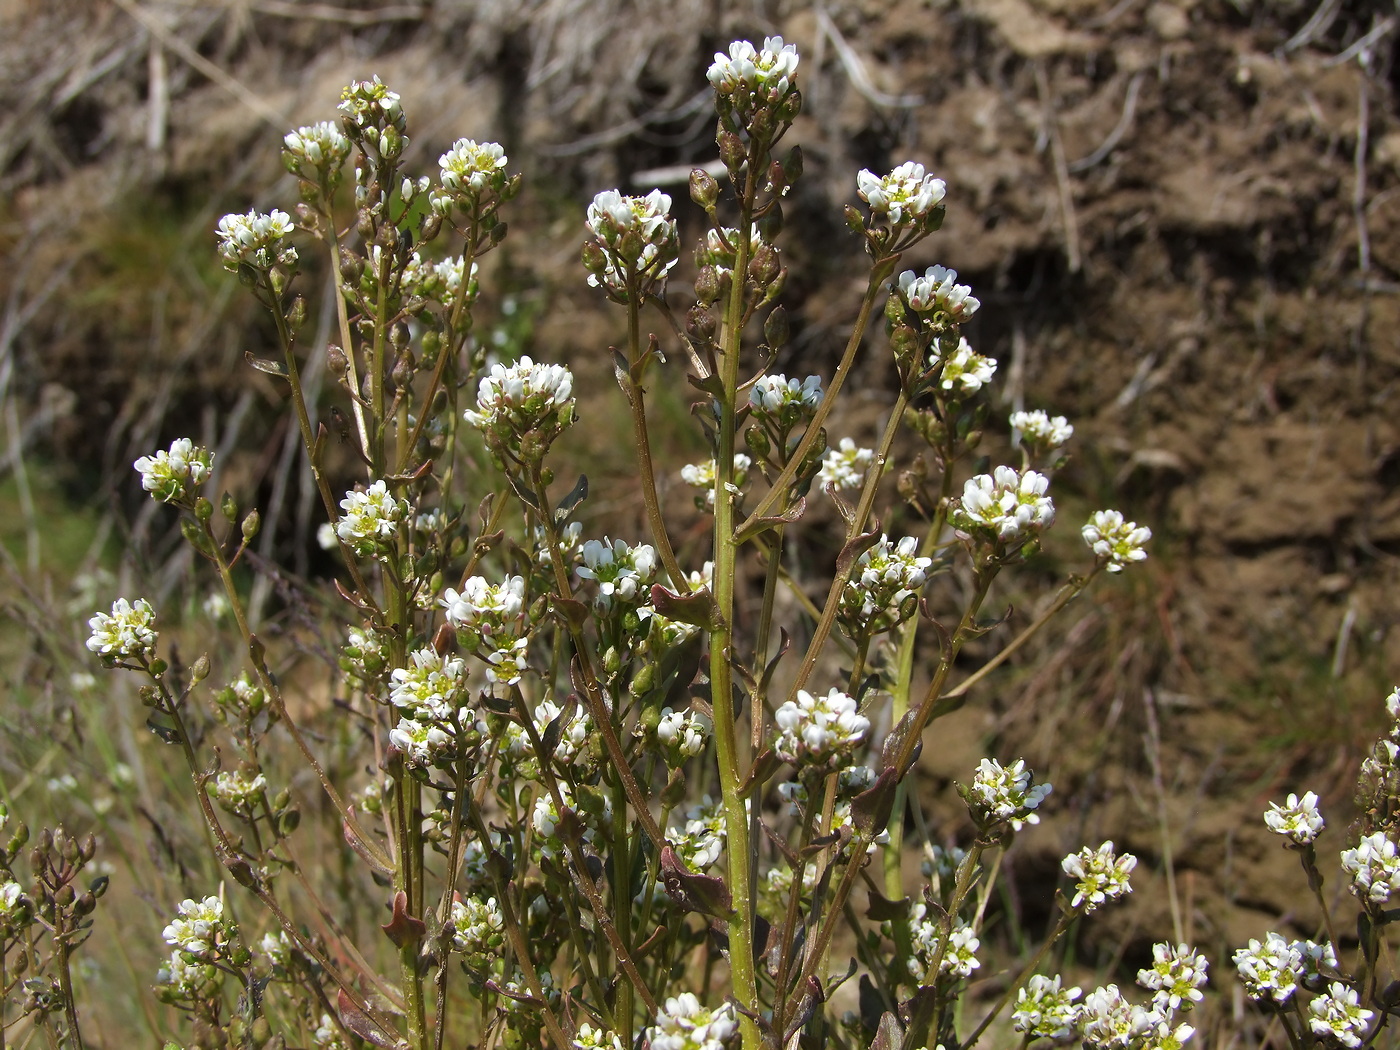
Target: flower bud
x,y
595,260
296,314
203,509
251,524
764,265
707,284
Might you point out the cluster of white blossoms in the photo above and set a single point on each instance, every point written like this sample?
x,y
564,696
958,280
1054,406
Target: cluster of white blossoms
x,y
1175,977
818,730
1276,967
589,1038
431,686
682,735
1044,1010
523,400
1108,1021
1040,431
371,517
200,928
965,371
173,475
635,238
315,151
1117,541
471,172
478,930
439,282
490,620
1374,867
683,1024
885,578
573,734
1297,820
937,296
904,196
959,957
621,571
255,240
845,466
1010,506
1100,875
238,791
783,401
749,74
702,476
545,820
1004,795
127,632
719,249
374,117
1337,1014
700,840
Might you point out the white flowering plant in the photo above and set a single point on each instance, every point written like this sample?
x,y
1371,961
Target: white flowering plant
x,y
603,795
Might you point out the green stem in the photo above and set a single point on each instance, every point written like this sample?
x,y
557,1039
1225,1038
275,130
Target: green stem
x,y
636,399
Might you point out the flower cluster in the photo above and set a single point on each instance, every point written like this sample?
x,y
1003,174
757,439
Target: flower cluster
x,y
589,1038
1297,820
751,80
1006,505
373,116
573,734
522,408
200,928
850,782
818,731
127,632
1045,1010
845,466
1175,977
702,476
634,244
682,735
473,177
1374,867
255,240
621,572
784,402
491,622
1041,432
700,840
478,930
959,956
430,686
172,476
1337,1014
1108,1021
239,792
371,518
906,196
1004,795
1114,540
315,153
683,1024
439,282
719,249
546,817
937,297
1100,875
964,371
884,587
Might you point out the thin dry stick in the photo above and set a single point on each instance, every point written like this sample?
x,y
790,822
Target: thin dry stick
x,y
1152,742
1057,155
1125,121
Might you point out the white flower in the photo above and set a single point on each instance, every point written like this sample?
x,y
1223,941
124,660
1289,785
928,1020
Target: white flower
x,y
490,619
1045,1010
1107,1021
1315,960
173,475
905,194
422,743
127,632
430,687
1040,430
720,248
1374,868
845,466
1118,541
683,734
959,953
469,168
478,929
702,476
590,1038
1100,875
439,281
1271,970
327,1034
315,151
523,399
683,1024
620,571
238,791
1337,1013
751,70
633,236
255,240
200,928
183,976
938,295
573,735
1010,505
371,517
1297,819
785,401
965,370
545,820
1175,977
1003,794
883,581
818,730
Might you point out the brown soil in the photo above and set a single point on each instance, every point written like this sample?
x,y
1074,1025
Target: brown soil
x,y
1183,219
